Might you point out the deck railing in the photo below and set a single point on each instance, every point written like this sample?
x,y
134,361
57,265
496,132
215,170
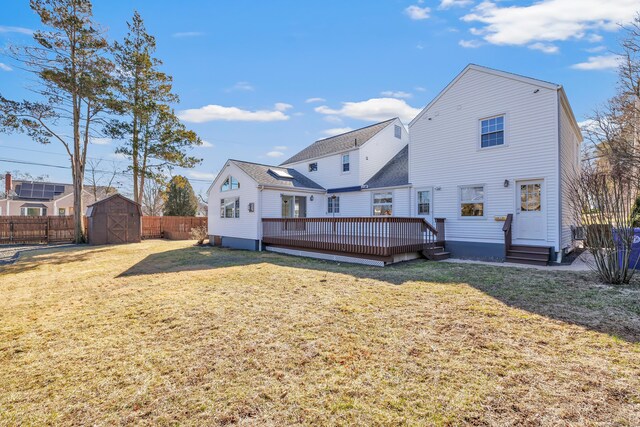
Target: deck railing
x,y
375,236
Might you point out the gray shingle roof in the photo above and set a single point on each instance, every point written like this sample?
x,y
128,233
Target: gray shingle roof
x,y
338,143
394,173
260,173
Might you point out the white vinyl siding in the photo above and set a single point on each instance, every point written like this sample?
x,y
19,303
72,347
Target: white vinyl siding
x,y
450,125
569,163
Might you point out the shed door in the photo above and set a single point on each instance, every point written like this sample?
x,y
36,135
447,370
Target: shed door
x,y
117,228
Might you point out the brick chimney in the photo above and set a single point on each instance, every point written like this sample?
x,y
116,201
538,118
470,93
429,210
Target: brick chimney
x,y
7,184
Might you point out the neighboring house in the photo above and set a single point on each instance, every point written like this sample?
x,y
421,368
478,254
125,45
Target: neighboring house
x,y
492,145
34,198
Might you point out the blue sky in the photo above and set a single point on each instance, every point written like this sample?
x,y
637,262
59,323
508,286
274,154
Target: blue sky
x,y
260,80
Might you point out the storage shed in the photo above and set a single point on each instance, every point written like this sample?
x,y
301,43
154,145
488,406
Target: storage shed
x,y
114,220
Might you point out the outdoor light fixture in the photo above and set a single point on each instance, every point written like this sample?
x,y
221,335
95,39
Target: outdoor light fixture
x,y
506,183
311,198
437,188
252,207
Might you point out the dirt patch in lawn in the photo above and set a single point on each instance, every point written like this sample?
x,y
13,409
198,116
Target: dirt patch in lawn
x,y
162,333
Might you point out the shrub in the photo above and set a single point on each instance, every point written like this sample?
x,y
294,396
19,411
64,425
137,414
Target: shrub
x,y
200,234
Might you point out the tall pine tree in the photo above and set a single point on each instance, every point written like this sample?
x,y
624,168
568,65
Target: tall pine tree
x,y
153,137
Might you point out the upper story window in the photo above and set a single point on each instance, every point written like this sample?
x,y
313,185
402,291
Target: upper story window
x,y
313,167
397,132
345,163
382,204
472,201
230,184
230,208
333,204
492,132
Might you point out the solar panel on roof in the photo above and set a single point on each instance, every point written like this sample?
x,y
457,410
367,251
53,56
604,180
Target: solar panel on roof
x,y
48,194
59,189
26,186
49,187
38,187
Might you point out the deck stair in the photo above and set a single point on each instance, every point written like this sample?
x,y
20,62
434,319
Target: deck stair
x,y
527,254
435,252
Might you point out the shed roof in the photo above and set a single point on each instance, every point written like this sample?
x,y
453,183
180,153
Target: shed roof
x,y
338,143
106,200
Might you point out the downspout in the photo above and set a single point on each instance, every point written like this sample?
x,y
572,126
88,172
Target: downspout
x,y
559,198
260,190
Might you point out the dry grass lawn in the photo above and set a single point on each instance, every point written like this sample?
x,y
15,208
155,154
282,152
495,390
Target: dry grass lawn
x,y
163,333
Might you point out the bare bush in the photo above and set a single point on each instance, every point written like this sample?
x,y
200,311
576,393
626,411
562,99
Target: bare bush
x,y
200,234
603,203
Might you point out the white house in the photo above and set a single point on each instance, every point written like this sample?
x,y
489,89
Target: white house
x,y
486,155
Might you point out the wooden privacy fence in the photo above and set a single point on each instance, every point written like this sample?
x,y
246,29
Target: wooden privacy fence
x,y
36,229
170,227
59,229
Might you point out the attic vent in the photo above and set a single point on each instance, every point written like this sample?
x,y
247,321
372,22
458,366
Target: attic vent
x,y
280,173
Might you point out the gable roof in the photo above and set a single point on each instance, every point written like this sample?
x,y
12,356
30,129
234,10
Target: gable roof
x,y
336,144
394,173
475,67
107,199
264,175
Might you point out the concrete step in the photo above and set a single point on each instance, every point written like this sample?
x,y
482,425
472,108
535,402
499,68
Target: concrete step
x,y
539,256
525,260
436,256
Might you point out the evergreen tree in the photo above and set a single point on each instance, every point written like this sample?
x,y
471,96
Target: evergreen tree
x,y
73,78
153,137
180,198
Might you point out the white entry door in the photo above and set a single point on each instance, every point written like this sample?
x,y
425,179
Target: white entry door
x,y
530,211
424,203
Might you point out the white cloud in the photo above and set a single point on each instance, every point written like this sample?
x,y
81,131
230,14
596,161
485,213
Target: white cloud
x,y
544,47
201,175
446,4
210,113
420,89
374,109
594,38
417,13
280,148
275,153
396,94
5,67
548,20
333,119
336,131
281,106
241,86
21,30
311,100
603,62
419,46
188,34
100,141
207,144
596,49
470,44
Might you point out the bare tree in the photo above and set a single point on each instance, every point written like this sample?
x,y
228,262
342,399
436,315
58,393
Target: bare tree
x,y
604,204
153,197
102,179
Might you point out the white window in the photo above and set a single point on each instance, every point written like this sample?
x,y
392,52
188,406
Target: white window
x,y
397,132
33,211
313,167
230,184
424,202
382,204
333,204
345,163
492,132
230,208
62,211
472,201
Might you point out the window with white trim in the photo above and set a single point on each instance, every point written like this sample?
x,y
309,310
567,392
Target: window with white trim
x,y
424,202
62,211
33,211
472,201
230,207
345,163
492,132
230,184
383,204
397,132
333,204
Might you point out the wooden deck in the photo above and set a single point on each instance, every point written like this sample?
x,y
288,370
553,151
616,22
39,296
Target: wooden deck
x,y
379,237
